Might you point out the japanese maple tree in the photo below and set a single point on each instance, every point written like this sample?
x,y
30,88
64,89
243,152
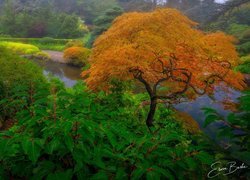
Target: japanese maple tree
x,y
163,48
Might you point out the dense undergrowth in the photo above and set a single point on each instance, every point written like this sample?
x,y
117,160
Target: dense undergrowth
x,y
244,67
74,133
65,133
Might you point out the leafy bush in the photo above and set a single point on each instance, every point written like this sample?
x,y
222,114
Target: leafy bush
x,y
20,48
245,66
17,74
71,133
244,48
77,56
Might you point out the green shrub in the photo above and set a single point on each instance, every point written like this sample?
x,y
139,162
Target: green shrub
x,y
245,66
20,48
244,49
246,35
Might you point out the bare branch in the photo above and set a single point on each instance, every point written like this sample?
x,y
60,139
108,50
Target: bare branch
x,y
138,75
212,78
187,84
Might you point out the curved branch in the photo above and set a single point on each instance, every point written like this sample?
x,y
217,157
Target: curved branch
x,y
187,84
212,78
138,75
159,82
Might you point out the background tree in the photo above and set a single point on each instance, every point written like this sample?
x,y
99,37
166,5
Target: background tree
x,y
103,22
91,9
163,49
22,20
8,18
66,26
136,5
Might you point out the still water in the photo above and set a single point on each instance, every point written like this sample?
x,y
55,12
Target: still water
x,y
66,73
194,108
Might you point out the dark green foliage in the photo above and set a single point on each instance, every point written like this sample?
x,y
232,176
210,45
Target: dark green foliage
x,y
73,133
91,9
17,74
244,49
103,22
235,127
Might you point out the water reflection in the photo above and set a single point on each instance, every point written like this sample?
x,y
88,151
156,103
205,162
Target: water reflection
x,y
193,108
68,74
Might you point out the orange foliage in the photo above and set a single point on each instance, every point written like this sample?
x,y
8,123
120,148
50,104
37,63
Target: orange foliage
x,y
187,122
163,44
77,56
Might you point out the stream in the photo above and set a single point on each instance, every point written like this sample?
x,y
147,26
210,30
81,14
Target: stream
x,y
70,74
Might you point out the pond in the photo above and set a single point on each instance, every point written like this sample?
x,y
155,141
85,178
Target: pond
x,y
67,73
194,108
70,74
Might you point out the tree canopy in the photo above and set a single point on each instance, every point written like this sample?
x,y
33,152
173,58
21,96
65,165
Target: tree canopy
x,y
163,48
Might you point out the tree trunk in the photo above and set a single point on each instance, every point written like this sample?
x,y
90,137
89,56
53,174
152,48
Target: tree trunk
x,y
150,118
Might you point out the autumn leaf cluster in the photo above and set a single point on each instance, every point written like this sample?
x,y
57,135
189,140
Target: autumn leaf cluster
x,y
164,38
